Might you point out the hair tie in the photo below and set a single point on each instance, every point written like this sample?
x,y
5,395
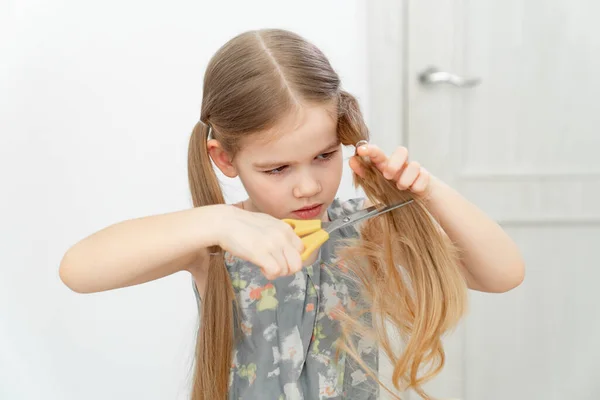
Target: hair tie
x,y
209,130
362,143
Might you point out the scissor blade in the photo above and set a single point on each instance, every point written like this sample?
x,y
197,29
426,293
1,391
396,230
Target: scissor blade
x,y
369,212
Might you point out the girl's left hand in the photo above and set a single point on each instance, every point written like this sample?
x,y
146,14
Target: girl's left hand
x,y
397,168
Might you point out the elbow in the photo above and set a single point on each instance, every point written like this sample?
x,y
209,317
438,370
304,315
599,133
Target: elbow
x,y
516,272
513,277
512,271
516,276
67,272
506,279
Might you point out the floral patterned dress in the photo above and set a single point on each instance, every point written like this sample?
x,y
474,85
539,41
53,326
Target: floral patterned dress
x,y
286,346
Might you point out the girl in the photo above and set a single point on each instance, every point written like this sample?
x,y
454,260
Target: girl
x,y
272,327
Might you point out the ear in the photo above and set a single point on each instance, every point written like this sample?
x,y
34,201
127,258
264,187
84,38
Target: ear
x,y
221,158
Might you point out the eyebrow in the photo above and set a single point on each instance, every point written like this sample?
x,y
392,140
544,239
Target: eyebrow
x,y
275,164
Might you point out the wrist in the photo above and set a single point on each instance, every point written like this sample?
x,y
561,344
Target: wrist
x,y
213,221
432,191
436,194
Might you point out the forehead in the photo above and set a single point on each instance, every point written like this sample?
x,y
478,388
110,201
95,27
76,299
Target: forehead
x,y
301,133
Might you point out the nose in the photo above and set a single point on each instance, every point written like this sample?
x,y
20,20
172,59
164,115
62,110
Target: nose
x,y
307,185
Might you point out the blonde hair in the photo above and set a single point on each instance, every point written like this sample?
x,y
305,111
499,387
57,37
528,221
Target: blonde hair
x,y
412,281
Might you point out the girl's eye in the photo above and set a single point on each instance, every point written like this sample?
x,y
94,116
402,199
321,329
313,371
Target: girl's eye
x,y
320,157
276,171
326,156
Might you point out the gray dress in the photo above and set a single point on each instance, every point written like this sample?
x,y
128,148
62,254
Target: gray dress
x,y
286,345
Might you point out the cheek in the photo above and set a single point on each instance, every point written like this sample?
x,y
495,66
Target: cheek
x,y
332,178
264,190
257,183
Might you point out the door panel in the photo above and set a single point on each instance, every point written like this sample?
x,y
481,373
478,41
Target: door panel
x,y
523,145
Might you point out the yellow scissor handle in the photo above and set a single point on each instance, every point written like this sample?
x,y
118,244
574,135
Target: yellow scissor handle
x,y
303,227
311,234
313,242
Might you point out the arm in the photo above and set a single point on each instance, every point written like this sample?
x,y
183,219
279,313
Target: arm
x,y
491,261
149,248
140,250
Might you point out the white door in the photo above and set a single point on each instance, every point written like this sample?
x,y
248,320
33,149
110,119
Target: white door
x,y
523,143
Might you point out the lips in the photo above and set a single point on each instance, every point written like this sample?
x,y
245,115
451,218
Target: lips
x,y
308,207
308,212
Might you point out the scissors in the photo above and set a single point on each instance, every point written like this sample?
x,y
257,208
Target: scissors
x,y
314,232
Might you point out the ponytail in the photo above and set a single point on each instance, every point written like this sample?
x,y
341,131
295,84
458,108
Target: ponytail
x,y
214,345
410,279
204,184
351,125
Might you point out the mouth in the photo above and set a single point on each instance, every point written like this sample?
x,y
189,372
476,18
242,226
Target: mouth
x,y
308,212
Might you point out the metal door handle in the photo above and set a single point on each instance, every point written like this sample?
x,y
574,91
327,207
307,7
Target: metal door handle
x,y
433,76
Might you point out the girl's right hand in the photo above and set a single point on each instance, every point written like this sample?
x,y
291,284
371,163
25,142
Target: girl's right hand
x,y
261,239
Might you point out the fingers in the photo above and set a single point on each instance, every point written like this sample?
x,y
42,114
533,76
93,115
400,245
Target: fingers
x,y
271,268
396,163
390,167
421,184
281,263
292,251
397,168
265,241
293,260
278,255
375,154
284,253
409,175
294,240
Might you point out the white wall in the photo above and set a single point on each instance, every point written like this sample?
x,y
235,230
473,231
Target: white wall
x,y
98,100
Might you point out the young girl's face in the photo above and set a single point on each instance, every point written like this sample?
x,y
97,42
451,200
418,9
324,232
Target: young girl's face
x,y
293,170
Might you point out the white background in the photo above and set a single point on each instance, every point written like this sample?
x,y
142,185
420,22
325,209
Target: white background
x,y
97,103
